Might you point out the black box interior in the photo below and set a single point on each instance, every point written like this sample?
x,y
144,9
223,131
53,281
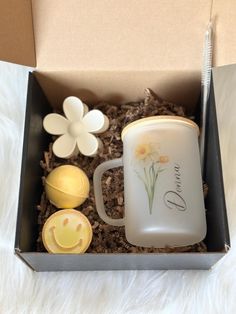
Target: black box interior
x,y
36,141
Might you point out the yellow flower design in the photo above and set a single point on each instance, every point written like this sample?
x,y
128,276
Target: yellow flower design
x,y
163,159
151,167
142,151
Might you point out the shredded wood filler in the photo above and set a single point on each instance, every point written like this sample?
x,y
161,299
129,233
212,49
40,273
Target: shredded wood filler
x,y
106,238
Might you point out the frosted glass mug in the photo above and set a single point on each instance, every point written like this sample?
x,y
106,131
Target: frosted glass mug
x,y
164,204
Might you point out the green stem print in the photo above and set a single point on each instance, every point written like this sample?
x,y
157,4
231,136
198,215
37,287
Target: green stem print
x,y
151,161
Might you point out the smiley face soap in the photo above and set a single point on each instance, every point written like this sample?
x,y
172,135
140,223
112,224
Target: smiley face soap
x,y
67,231
67,186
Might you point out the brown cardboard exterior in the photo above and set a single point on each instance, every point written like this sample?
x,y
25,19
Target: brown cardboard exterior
x,y
16,32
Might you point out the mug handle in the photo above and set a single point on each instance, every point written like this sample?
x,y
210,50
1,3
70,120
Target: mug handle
x,y
97,183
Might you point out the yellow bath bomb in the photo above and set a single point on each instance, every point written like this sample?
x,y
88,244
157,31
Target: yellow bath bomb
x,y
67,186
67,231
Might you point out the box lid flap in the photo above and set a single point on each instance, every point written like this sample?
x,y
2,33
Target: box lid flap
x,y
127,35
113,35
16,32
120,34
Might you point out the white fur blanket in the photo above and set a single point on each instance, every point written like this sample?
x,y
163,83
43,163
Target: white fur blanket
x,y
23,291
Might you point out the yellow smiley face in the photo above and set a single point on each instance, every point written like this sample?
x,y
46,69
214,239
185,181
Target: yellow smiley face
x,y
67,231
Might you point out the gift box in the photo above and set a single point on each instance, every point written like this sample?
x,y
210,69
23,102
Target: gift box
x,y
113,50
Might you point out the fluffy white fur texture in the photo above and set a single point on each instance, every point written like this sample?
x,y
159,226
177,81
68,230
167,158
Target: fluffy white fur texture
x,y
23,291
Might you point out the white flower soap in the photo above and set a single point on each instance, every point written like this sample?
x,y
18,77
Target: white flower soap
x,y
76,129
67,186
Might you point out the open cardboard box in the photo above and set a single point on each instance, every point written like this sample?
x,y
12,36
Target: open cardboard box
x,y
112,50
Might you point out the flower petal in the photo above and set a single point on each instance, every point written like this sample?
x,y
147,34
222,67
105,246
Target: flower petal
x,y
73,108
106,124
100,144
64,146
95,121
55,124
88,144
86,109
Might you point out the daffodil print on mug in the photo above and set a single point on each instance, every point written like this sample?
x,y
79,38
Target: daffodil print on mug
x,y
151,164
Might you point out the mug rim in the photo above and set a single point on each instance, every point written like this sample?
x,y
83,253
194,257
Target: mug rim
x,y
162,118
